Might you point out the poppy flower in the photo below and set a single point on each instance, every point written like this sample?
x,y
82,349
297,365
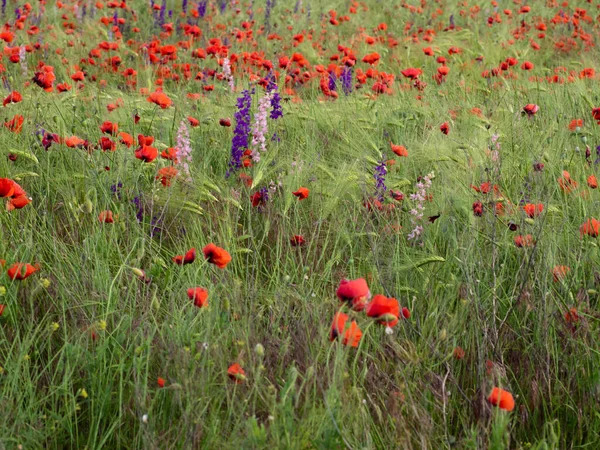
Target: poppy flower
x,y
445,128
527,65
236,373
571,316
385,310
15,124
199,295
399,150
109,127
170,154
1,310
225,122
74,141
7,187
531,109
458,353
20,271
161,382
591,227
146,153
126,139
301,193
575,123
502,399
478,208
166,174
351,335
188,258
106,144
596,114
160,99
559,272
106,217
13,97
257,199
524,241
193,121
216,255
566,183
411,73
533,210
297,240
592,181
355,292
17,202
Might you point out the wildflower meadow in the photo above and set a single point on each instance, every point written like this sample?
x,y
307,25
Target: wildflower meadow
x,y
300,224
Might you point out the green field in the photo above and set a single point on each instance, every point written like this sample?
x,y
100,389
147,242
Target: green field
x,y
462,193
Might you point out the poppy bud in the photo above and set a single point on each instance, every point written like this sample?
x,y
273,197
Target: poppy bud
x,y
225,122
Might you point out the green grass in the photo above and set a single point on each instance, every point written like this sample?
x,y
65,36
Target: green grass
x,y
84,340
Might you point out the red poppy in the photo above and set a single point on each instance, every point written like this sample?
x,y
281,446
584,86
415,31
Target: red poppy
x,y
126,139
193,121
411,73
559,272
575,123
188,258
385,310
502,399
225,122
15,124
20,271
146,153
297,240
1,309
571,316
199,295
533,210
236,373
106,144
596,114
355,292
566,183
13,97
527,65
109,127
17,202
216,255
351,335
301,193
591,227
160,99
458,353
524,241
531,109
399,150
170,154
592,181
106,217
478,208
7,187
161,382
445,128
166,174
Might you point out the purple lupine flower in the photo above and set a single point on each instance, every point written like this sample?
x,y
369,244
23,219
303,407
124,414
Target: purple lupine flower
x,y
3,7
139,214
184,5
332,80
346,79
239,142
268,6
116,189
161,15
277,110
155,226
202,7
223,6
597,161
297,7
379,175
